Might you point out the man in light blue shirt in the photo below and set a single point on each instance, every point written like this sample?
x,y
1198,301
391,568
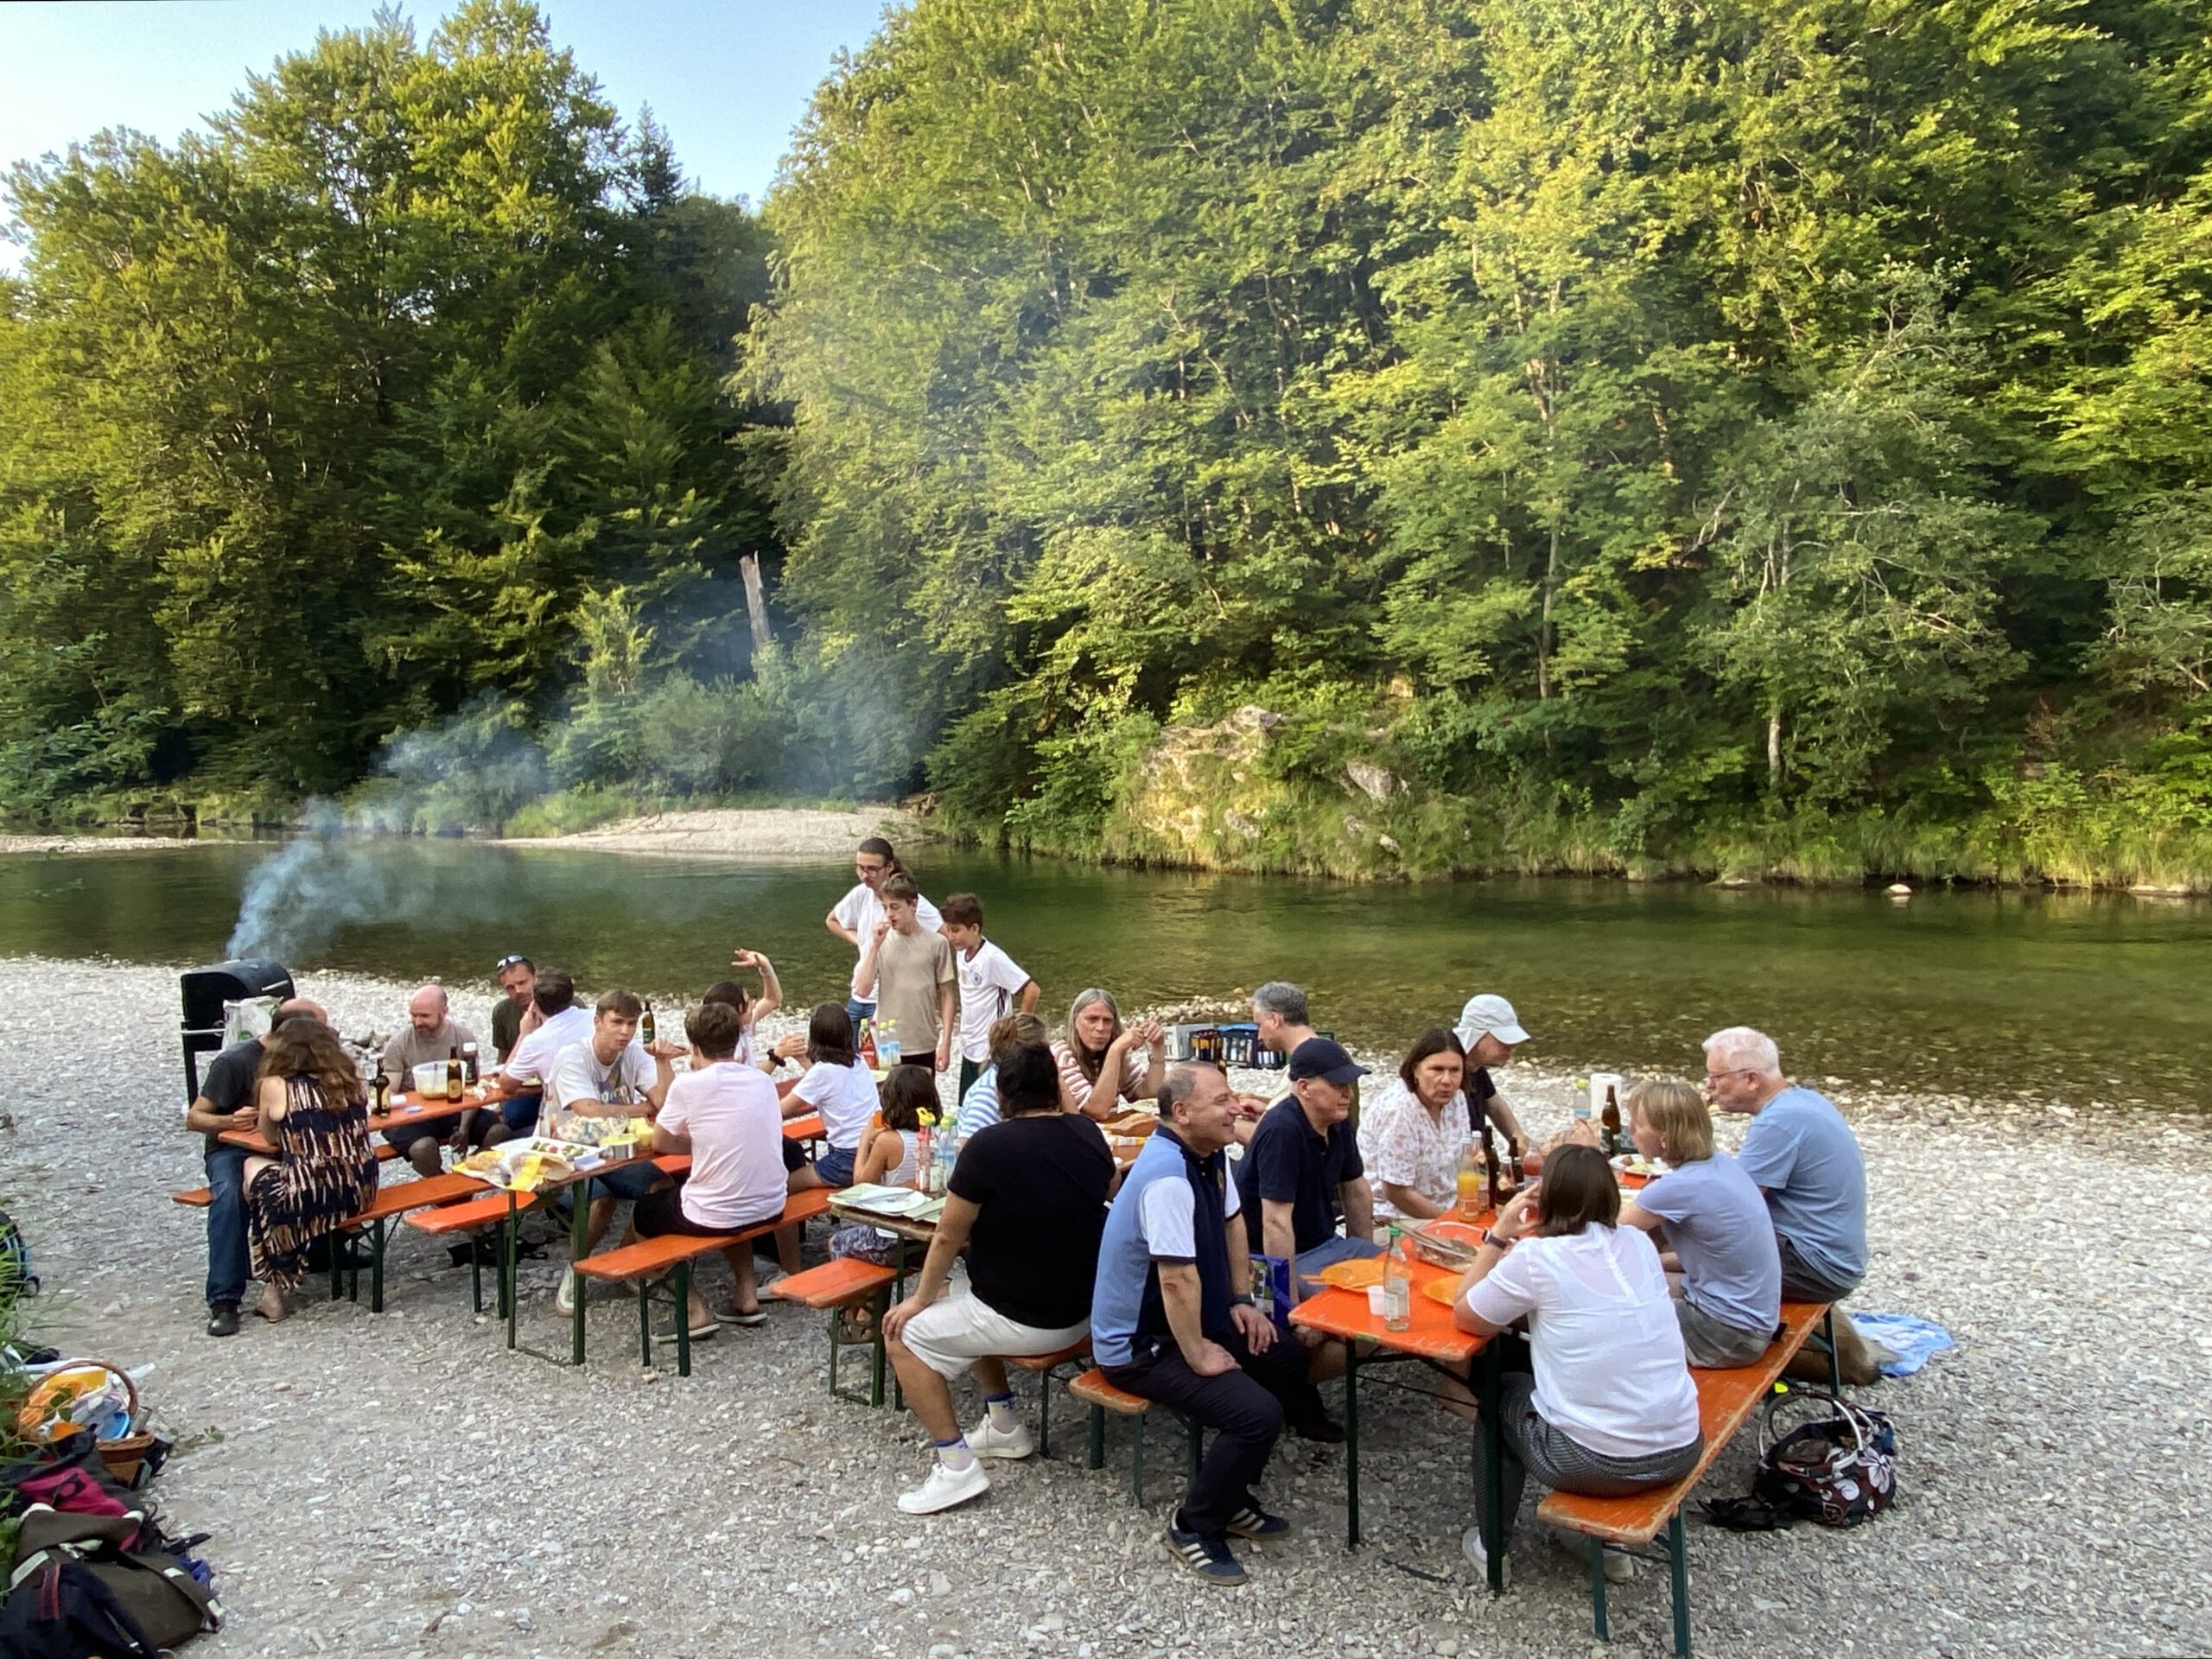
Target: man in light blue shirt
x,y
1804,1159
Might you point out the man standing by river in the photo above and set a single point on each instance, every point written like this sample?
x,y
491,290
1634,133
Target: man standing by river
x,y
226,1102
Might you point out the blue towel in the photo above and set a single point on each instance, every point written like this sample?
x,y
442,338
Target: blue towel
x,y
1913,1341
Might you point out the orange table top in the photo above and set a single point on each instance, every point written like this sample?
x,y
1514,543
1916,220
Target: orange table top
x,y
405,1109
807,1127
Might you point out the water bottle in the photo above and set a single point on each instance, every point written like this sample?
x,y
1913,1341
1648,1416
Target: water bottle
x,y
1397,1286
887,1043
948,1154
925,1160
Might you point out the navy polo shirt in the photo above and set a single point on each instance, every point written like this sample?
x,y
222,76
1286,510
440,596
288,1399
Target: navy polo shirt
x,y
1290,1164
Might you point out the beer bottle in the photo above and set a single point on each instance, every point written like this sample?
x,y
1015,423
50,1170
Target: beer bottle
x,y
468,1058
454,1089
1489,1165
1610,1117
380,1089
646,1025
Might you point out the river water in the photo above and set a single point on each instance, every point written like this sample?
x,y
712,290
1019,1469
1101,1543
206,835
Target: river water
x,y
2078,997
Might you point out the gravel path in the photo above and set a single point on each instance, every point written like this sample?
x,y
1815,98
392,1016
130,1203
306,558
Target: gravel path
x,y
403,1485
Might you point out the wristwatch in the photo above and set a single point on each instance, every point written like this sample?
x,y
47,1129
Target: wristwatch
x,y
1495,1241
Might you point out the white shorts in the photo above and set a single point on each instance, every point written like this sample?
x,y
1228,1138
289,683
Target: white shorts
x,y
949,1336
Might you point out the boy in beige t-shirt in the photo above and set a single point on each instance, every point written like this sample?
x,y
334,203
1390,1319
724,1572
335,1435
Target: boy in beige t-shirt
x,y
909,972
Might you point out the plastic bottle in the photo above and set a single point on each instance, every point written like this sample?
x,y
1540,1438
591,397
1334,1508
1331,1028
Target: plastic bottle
x,y
948,1154
887,1044
925,1159
1397,1286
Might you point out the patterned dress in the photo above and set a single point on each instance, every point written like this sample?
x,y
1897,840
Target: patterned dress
x,y
325,1171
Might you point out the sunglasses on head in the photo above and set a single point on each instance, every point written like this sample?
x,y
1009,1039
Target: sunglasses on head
x,y
505,962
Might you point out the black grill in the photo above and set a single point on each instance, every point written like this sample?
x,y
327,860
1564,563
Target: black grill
x,y
205,991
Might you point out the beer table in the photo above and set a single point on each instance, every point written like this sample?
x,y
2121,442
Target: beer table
x,y
1432,1338
407,1111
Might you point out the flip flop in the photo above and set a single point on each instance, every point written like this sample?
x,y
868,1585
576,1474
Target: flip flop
x,y
731,1316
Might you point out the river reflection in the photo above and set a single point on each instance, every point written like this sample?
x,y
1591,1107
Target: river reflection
x,y
2074,996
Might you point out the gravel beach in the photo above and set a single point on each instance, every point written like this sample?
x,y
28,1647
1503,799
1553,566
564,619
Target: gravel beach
x,y
401,1485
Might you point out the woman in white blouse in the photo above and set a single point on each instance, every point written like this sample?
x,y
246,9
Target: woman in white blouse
x,y
1411,1134
1610,1409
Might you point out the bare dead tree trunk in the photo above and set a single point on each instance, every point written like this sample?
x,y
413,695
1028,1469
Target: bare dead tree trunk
x,y
756,602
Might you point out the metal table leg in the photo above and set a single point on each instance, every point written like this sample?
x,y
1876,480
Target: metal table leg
x,y
1352,1445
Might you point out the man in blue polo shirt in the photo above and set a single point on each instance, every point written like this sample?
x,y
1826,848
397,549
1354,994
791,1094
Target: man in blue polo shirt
x,y
1170,1320
1303,1167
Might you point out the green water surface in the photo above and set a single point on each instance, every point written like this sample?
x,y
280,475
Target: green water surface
x,y
2071,996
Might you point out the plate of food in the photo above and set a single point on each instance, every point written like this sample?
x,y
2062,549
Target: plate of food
x,y
1352,1275
1643,1168
1445,1243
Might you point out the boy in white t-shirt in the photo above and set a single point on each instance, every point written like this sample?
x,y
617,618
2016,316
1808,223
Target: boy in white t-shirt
x,y
992,984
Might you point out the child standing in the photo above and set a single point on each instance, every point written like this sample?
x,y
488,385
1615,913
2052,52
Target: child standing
x,y
908,973
991,984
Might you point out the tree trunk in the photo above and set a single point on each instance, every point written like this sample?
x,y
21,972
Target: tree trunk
x,y
1774,753
756,602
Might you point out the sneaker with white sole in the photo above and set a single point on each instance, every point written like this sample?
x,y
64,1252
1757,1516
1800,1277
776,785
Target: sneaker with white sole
x,y
1479,1558
1253,1523
565,1297
944,1487
1619,1568
1210,1558
986,1442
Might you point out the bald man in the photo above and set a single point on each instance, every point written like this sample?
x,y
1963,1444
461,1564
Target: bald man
x,y
432,1034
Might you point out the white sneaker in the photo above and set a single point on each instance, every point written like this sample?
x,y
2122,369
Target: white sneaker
x,y
1479,1558
986,1442
1619,1568
944,1487
565,1297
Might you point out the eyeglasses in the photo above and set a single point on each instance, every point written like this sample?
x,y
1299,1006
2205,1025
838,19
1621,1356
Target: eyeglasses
x,y
505,962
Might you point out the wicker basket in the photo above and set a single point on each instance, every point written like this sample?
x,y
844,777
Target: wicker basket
x,y
123,1454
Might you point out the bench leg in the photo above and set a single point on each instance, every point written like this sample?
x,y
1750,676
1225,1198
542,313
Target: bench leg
x,y
475,1276
1678,1572
1493,1493
1136,1465
510,1250
1835,1360
1352,1445
1598,1589
1098,1437
579,1223
645,1326
878,1358
682,1320
375,1267
834,1346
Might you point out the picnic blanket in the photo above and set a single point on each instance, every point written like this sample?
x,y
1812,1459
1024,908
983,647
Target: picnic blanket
x,y
1911,1341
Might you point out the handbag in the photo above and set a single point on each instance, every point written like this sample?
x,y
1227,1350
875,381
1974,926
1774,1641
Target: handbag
x,y
1840,1470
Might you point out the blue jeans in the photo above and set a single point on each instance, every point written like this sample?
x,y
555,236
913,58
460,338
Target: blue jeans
x,y
856,1011
230,1263
519,1112
835,1166
632,1181
1327,1255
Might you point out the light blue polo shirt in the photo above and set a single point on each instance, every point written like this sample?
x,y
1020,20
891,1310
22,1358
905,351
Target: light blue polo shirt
x,y
1804,1157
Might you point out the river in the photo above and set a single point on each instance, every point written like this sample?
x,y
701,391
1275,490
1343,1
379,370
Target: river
x,y
2080,997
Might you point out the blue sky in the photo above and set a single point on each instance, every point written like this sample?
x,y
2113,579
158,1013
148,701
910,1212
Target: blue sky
x,y
727,78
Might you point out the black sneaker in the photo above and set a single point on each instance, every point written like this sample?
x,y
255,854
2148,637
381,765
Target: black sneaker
x,y
222,1319
1207,1557
1250,1522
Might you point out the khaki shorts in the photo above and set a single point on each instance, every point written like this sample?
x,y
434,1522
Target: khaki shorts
x,y
949,1336
1712,1345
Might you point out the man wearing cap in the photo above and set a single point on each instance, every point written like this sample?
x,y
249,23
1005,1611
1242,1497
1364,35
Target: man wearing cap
x,y
1303,1165
1490,1031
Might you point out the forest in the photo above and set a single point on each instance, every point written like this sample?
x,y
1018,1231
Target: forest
x,y
1371,437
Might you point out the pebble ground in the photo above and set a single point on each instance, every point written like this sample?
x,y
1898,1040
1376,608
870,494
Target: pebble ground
x,y
402,1484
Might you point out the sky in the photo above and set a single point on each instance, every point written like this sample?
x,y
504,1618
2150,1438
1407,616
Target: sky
x,y
728,79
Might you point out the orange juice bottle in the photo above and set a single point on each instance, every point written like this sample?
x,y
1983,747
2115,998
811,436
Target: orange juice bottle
x,y
1470,1181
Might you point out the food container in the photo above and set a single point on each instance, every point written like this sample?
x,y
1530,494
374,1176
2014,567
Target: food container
x,y
430,1080
1445,1243
1239,1044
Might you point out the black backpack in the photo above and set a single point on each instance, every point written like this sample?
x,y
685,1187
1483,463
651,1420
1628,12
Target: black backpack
x,y
83,1592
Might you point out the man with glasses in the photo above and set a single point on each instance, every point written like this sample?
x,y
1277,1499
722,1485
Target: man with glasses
x,y
517,978
861,912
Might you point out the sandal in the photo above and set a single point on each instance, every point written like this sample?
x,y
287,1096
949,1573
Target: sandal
x,y
736,1316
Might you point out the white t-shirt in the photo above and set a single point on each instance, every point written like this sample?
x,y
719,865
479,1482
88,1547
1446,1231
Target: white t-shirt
x,y
861,910
844,1095
535,1052
1167,1214
736,1125
990,980
1610,1371
578,1073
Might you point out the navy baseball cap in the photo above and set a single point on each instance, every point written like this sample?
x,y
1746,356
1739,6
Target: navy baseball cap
x,y
1317,1057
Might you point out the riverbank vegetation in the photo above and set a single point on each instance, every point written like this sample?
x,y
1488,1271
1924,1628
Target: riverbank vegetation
x,y
1379,439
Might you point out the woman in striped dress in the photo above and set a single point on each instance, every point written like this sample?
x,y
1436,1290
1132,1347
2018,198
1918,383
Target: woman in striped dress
x,y
315,1112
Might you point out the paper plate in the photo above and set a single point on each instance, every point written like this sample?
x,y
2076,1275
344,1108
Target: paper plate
x,y
1441,1290
1352,1275
892,1201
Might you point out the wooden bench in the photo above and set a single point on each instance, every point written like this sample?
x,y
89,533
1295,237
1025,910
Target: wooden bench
x,y
376,1215
198,1198
841,1283
1725,1401
470,1217
668,1258
1102,1397
1046,1367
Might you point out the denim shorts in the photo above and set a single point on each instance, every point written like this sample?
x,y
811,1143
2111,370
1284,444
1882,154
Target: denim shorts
x,y
632,1181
